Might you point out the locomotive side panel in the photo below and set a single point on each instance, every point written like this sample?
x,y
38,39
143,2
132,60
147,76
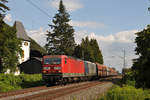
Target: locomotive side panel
x,y
73,68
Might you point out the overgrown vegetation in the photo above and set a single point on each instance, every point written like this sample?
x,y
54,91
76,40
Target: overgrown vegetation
x,y
9,82
128,77
126,93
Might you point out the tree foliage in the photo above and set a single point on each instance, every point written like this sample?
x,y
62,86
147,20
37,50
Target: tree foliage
x,y
89,50
3,7
142,64
60,39
10,48
96,51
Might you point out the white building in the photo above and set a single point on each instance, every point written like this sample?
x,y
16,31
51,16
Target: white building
x,y
21,34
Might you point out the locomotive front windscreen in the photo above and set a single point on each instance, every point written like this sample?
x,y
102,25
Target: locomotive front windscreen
x,y
52,61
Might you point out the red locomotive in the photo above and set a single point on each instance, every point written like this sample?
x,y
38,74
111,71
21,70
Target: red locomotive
x,y
64,69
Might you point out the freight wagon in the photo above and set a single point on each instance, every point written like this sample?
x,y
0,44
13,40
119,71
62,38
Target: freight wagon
x,y
90,70
99,70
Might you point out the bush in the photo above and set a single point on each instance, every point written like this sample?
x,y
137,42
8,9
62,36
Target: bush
x,y
10,82
31,80
130,83
126,93
129,75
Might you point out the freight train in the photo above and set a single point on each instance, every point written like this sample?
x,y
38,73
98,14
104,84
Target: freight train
x,y
64,69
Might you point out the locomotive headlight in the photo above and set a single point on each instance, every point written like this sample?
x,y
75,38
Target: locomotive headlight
x,y
57,68
46,68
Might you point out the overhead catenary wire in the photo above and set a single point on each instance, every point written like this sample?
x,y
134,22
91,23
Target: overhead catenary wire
x,y
37,7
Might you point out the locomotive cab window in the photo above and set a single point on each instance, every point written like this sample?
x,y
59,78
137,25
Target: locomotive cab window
x,y
65,60
52,61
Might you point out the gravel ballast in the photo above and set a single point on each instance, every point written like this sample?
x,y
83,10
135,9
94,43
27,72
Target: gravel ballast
x,y
91,93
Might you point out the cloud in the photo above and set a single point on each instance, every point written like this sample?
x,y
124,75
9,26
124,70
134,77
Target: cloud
x,y
38,35
79,35
112,46
123,37
8,18
88,24
71,5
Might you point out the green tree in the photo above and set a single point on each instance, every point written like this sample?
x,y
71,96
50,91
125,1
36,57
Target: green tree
x,y
142,64
96,51
82,50
60,39
78,52
3,9
3,37
89,50
10,48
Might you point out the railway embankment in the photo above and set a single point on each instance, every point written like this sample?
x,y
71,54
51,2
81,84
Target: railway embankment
x,y
76,91
92,93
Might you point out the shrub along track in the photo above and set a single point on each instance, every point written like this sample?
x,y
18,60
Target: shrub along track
x,y
47,93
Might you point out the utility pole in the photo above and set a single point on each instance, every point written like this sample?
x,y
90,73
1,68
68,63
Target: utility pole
x,y
124,58
124,62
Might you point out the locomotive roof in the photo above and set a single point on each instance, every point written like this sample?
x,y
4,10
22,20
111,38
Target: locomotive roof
x,y
74,58
62,56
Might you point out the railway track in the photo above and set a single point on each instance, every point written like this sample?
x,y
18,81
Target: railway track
x,y
23,91
47,93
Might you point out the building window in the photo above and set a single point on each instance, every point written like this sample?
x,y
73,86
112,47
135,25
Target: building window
x,y
26,43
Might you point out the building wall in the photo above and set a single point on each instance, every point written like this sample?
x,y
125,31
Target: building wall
x,y
26,51
31,66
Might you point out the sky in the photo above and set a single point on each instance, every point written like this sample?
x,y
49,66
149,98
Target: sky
x,y
112,22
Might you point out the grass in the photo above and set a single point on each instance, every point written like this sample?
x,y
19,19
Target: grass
x,y
9,82
126,92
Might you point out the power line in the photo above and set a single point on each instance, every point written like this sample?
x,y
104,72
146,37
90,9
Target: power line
x,y
44,12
